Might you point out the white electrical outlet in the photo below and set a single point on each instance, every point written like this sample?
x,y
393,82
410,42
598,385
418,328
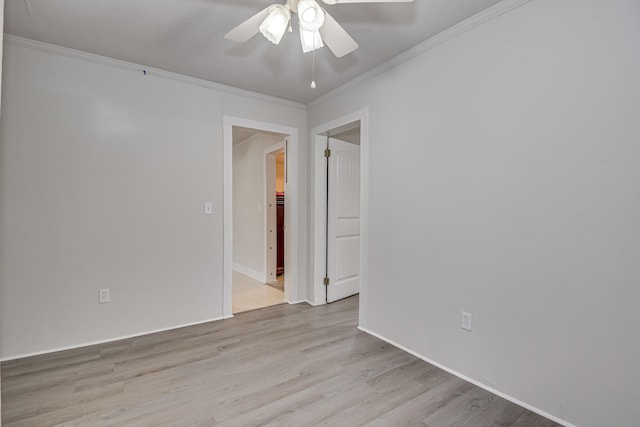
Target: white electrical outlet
x,y
105,295
466,321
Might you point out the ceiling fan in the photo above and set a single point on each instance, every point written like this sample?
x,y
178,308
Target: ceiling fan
x,y
317,27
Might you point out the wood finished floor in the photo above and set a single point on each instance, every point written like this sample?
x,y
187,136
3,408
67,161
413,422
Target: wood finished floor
x,y
286,365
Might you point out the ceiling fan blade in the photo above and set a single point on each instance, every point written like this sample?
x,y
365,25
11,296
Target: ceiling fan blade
x,y
366,1
248,28
334,36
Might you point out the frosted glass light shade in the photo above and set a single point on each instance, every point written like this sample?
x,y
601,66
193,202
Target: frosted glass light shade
x,y
311,15
275,24
310,40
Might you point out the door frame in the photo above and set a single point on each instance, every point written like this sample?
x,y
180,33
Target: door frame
x,y
269,152
318,266
291,215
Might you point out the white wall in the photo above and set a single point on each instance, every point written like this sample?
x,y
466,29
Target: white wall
x,y
514,196
103,176
249,244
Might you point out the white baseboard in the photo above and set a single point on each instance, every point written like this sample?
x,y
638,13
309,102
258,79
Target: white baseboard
x,y
123,337
471,380
260,276
302,301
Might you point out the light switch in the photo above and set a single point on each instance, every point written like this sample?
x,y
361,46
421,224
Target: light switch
x,y
466,321
208,208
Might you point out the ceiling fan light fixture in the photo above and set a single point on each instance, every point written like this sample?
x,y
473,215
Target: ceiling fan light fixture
x,y
276,23
311,15
311,40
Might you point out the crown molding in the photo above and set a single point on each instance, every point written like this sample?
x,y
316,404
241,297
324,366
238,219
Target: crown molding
x,y
469,24
116,63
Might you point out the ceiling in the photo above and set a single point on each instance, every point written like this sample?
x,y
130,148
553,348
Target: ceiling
x,y
351,135
187,37
240,134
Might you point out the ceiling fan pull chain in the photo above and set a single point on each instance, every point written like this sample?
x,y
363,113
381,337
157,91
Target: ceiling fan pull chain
x,y
313,65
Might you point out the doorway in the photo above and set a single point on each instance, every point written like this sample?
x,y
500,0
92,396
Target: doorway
x,y
340,217
342,246
292,238
258,205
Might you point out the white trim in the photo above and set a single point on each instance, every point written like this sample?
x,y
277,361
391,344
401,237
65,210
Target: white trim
x,y
108,340
364,216
300,301
273,148
269,151
468,24
318,215
104,60
318,266
471,380
292,209
260,276
227,218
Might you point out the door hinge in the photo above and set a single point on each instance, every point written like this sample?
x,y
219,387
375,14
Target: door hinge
x,y
325,281
327,153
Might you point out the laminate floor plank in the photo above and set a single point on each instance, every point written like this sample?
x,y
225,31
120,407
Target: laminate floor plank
x,y
443,390
284,365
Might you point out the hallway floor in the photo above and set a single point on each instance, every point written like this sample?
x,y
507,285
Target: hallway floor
x,y
249,294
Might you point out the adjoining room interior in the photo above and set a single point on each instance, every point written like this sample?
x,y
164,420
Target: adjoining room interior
x,y
258,219
498,217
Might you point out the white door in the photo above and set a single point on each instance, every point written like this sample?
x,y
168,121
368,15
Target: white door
x,y
343,220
